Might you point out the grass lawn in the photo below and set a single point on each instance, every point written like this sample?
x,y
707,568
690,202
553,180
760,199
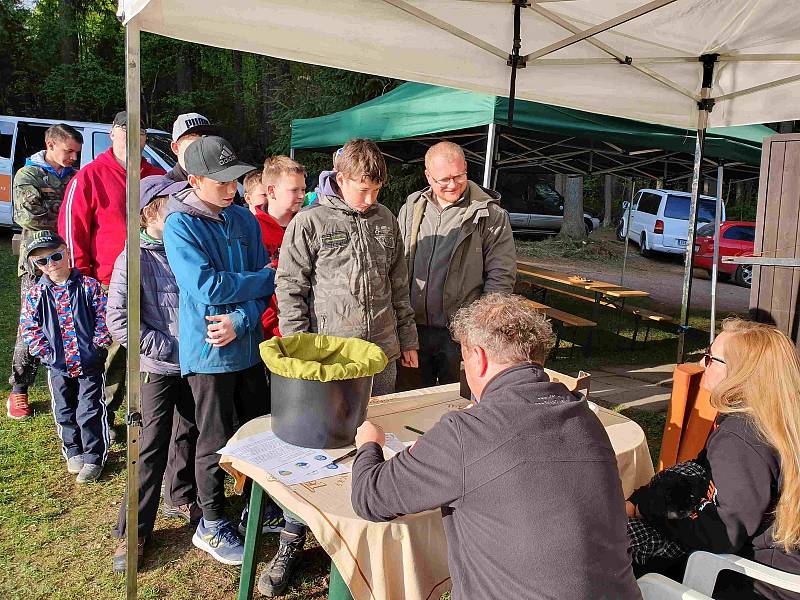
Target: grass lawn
x,y
55,537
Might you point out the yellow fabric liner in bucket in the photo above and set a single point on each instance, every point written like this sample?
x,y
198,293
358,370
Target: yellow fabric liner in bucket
x,y
315,357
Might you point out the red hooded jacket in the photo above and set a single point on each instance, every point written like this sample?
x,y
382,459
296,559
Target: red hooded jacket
x,y
272,235
92,216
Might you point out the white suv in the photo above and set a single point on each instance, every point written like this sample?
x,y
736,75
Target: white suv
x,y
659,220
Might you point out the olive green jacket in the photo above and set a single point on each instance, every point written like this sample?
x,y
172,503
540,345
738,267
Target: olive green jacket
x,y
484,258
38,193
343,273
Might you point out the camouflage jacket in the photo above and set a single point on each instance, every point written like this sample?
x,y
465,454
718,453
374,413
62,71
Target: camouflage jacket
x,y
38,193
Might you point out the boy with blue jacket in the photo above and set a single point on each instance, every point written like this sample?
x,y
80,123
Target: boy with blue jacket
x,y
63,321
214,248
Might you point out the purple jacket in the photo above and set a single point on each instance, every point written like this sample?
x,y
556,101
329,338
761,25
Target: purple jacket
x,y
159,309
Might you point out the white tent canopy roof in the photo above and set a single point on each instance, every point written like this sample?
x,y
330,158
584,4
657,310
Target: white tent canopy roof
x,y
641,63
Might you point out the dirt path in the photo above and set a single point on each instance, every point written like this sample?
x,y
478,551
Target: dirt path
x,y
661,276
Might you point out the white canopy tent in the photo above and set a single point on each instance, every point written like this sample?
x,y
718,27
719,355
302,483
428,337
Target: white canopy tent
x,y
686,63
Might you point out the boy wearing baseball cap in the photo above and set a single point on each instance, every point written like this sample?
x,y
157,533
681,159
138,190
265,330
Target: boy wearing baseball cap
x,y
215,250
187,128
63,321
166,444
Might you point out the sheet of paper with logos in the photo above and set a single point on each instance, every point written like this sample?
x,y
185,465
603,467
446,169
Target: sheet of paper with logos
x,y
287,463
291,464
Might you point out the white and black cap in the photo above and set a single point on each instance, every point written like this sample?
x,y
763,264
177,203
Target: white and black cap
x,y
213,157
192,123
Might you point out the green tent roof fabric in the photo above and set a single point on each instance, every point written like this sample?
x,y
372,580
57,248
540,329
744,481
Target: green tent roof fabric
x,y
415,109
322,357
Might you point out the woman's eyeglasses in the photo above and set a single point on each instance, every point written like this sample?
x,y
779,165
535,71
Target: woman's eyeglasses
x,y
708,358
55,257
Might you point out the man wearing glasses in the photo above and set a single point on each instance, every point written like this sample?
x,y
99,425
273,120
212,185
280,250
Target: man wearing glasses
x,y
92,221
458,246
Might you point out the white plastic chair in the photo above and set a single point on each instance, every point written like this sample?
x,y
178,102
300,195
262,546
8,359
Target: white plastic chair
x,y
657,587
703,569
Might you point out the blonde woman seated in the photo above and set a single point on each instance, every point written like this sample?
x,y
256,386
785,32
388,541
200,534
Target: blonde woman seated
x,y
749,470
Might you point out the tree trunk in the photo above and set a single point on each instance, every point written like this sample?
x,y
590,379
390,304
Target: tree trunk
x,y
183,73
69,53
273,70
573,226
561,184
608,198
238,94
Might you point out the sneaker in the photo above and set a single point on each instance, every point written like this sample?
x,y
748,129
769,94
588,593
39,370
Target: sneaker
x,y
221,541
190,513
17,406
271,522
75,464
112,435
89,473
275,577
119,560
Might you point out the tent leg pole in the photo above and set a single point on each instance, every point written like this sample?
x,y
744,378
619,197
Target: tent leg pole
x,y
491,138
705,105
134,417
627,228
714,264
291,153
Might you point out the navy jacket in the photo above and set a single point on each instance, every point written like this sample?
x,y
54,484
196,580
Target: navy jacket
x,y
65,325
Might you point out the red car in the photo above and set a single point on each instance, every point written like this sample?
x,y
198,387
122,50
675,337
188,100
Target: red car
x,y
736,239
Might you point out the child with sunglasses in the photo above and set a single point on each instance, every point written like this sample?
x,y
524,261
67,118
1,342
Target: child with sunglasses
x,y
63,322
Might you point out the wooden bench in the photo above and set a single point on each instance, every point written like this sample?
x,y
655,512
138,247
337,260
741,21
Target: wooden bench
x,y
638,313
563,319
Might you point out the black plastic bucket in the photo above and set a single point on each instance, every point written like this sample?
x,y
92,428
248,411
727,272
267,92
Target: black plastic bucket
x,y
317,414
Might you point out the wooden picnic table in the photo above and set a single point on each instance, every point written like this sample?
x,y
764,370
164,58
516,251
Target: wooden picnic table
x,y
612,292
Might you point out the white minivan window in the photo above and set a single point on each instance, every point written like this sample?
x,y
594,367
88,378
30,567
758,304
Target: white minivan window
x,y
677,207
6,138
100,143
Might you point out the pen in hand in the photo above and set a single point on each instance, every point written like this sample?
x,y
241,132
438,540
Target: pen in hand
x,y
414,429
344,456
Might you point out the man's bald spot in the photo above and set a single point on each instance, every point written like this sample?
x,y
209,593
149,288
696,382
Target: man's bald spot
x,y
447,150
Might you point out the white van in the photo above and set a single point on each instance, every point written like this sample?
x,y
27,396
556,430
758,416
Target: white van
x,y
21,137
659,220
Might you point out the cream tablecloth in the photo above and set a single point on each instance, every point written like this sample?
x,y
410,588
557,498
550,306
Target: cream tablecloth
x,y
406,558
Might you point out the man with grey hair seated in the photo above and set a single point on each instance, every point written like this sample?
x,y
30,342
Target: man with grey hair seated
x,y
526,479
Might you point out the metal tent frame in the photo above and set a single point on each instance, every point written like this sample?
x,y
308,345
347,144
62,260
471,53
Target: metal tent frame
x,y
705,101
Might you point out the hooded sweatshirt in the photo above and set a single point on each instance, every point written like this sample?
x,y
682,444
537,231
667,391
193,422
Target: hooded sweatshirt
x,y
456,254
38,193
221,267
529,489
342,272
92,217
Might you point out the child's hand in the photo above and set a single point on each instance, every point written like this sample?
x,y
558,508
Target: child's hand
x,y
408,358
220,330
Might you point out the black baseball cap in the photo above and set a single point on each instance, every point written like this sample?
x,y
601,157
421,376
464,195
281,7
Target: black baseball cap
x,y
41,239
213,157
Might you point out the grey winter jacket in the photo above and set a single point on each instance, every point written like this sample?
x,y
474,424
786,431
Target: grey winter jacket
x,y
529,489
159,309
484,259
343,273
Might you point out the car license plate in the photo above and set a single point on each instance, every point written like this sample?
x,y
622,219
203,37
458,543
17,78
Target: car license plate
x,y
681,242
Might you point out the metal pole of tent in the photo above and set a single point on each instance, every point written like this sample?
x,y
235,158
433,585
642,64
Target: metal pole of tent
x,y
715,263
491,138
134,417
627,229
705,105
291,153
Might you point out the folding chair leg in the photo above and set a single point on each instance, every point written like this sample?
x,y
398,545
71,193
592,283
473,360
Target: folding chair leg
x,y
646,332
558,340
572,341
637,319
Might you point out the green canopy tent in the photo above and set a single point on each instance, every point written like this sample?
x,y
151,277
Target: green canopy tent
x,y
544,138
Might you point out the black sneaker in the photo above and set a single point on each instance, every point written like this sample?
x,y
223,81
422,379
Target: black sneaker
x,y
276,575
271,521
